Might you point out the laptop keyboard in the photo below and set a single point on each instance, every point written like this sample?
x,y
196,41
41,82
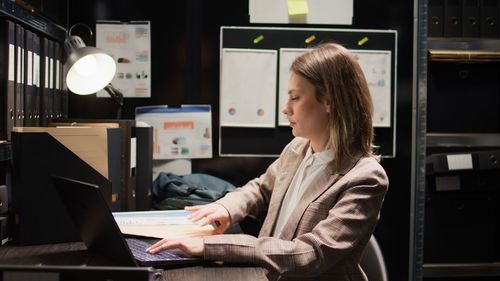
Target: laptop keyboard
x,y
138,249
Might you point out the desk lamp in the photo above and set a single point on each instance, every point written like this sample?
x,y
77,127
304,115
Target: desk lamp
x,y
89,69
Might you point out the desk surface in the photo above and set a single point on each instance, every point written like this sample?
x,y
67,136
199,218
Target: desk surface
x,y
75,254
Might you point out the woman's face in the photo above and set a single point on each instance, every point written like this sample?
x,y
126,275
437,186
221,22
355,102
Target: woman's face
x,y
308,117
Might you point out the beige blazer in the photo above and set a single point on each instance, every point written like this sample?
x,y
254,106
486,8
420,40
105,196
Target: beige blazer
x,y
327,232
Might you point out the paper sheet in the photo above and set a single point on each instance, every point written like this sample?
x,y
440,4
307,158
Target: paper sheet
x,y
179,132
377,67
287,56
130,45
248,88
171,224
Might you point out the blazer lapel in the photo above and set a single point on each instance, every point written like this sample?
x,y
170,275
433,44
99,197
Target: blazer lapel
x,y
290,166
313,192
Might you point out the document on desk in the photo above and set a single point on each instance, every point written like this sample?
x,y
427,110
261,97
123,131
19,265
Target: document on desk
x,y
171,224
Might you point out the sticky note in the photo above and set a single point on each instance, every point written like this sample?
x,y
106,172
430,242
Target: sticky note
x,y
297,7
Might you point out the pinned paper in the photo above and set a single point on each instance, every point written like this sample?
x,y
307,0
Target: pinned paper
x,y
362,41
297,7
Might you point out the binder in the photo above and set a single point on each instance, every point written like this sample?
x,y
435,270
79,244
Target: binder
x,y
114,168
489,10
144,167
436,18
453,18
29,88
471,18
47,81
57,81
50,100
7,77
44,82
19,93
36,79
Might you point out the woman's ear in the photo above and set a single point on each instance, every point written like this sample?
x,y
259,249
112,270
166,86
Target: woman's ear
x,y
326,104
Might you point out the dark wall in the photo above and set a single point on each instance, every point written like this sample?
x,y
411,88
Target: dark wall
x,y
185,69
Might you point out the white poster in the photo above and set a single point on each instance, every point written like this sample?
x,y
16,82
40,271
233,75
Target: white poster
x,y
130,46
248,88
377,66
179,132
287,56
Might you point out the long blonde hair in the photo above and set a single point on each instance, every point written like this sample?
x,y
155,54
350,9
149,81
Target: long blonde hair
x,y
339,80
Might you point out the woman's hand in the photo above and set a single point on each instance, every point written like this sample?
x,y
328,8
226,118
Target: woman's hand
x,y
211,214
191,246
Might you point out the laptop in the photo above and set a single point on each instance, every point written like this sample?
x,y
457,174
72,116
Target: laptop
x,y
99,231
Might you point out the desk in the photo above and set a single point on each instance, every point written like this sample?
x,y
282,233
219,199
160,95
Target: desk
x,y
74,257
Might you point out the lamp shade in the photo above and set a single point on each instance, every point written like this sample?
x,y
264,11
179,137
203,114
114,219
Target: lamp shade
x,y
87,69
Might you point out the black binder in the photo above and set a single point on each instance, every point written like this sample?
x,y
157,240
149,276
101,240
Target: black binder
x,y
36,78
7,77
489,18
144,168
459,201
453,18
44,82
57,105
29,88
471,21
51,77
436,18
19,99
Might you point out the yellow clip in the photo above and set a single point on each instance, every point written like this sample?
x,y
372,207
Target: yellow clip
x,y
310,39
257,39
363,41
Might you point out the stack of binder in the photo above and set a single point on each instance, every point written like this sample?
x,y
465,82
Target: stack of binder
x,y
463,18
7,77
31,79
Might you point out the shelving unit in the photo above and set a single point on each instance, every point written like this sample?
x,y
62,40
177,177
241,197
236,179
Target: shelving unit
x,y
457,76
27,18
462,140
465,44
445,270
32,19
460,53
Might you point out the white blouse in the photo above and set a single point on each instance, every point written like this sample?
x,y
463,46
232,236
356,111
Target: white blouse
x,y
308,172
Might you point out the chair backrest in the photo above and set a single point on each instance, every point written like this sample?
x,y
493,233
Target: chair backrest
x,y
372,262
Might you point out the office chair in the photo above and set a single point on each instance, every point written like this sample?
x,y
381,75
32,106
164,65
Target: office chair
x,y
372,262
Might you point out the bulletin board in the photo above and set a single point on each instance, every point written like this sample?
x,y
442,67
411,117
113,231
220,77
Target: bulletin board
x,y
254,78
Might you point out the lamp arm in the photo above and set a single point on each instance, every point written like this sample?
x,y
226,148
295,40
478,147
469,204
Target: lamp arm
x,y
117,96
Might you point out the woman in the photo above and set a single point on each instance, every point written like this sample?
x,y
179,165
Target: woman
x,y
322,195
